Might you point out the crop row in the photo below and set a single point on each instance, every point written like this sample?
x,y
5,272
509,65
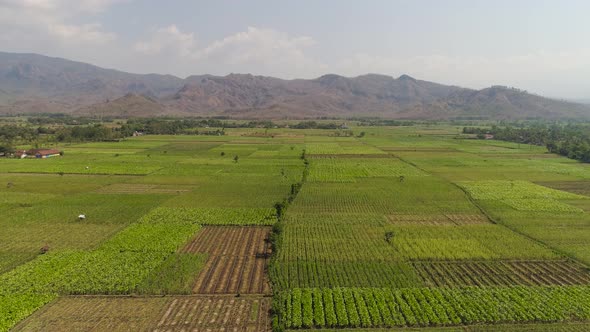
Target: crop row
x,y
79,272
367,240
65,165
347,169
361,273
437,219
119,266
384,195
15,307
382,307
483,241
541,205
340,148
214,216
501,189
501,273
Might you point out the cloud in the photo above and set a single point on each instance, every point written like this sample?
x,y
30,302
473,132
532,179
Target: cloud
x,y
265,51
63,7
257,50
46,22
259,45
86,33
68,28
169,39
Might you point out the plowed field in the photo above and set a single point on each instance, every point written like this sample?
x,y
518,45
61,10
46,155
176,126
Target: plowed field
x,y
237,263
178,313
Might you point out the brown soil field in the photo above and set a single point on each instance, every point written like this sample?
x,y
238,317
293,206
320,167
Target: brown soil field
x,y
216,313
237,260
576,187
502,273
96,313
177,313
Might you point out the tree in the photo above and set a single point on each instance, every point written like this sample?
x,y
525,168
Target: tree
x,y
6,149
389,237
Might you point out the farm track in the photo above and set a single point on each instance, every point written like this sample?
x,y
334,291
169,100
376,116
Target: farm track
x,y
502,273
238,260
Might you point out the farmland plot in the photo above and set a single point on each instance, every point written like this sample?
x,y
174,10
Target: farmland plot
x,y
177,313
216,216
347,169
376,237
237,263
136,188
90,165
378,307
576,187
478,241
87,313
340,147
216,313
500,190
434,219
502,273
54,184
544,327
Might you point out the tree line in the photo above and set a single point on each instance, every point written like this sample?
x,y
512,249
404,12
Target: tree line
x,y
572,140
13,135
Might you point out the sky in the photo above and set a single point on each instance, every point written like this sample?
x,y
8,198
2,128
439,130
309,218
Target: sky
x,y
537,45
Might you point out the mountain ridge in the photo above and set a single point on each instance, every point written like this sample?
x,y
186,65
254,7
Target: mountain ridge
x,y
33,83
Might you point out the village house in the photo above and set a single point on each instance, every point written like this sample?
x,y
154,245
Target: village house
x,y
45,153
37,153
20,154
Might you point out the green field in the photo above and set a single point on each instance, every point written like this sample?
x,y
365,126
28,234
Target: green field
x,y
403,228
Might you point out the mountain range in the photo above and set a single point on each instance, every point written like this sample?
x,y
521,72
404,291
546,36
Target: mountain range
x,y
31,83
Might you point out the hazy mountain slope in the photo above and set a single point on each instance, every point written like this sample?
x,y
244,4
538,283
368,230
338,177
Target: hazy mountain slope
x,y
31,83
130,105
327,95
508,103
36,76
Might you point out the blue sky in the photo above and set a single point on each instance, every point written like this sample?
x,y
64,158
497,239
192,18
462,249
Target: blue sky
x,y
541,46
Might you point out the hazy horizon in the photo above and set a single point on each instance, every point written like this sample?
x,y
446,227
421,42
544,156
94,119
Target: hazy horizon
x,y
533,45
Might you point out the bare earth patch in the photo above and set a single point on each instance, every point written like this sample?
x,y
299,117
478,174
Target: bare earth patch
x,y
238,260
175,313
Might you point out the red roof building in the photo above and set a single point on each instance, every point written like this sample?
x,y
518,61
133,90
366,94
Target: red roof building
x,y
43,153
